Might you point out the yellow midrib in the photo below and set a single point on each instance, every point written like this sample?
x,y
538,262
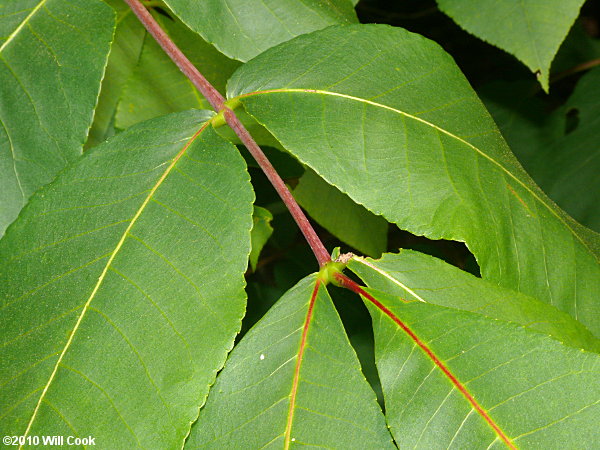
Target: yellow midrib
x,y
22,24
105,270
441,130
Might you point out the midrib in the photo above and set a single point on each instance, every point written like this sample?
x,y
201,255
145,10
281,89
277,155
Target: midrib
x,y
105,270
441,130
22,24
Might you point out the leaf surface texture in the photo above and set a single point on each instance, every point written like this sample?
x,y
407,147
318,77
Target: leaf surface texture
x,y
500,384
298,350
52,59
242,29
113,299
387,117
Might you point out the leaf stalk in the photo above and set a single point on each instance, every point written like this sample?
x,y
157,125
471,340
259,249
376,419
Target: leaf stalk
x,y
217,101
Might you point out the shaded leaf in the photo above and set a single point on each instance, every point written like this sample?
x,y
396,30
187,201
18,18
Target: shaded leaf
x,y
112,287
158,87
387,117
339,215
293,380
242,29
415,276
53,54
124,54
530,30
453,379
261,231
563,159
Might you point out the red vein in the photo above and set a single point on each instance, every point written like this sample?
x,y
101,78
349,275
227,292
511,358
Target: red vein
x,y
309,313
355,287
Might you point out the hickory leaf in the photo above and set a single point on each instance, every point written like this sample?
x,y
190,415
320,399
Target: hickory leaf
x,y
246,28
122,280
53,54
530,30
114,296
293,379
448,383
407,137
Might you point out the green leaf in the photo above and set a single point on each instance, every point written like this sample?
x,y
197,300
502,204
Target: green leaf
x,y
261,232
158,87
453,379
53,54
339,215
242,29
386,116
563,158
124,54
530,30
293,379
122,287
415,276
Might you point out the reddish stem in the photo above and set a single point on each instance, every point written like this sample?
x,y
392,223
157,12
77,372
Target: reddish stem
x,y
307,230
217,102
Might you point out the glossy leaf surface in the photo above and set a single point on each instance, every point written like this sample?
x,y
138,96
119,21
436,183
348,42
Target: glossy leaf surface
x,y
528,29
53,54
416,276
453,379
242,29
343,218
386,116
112,288
293,380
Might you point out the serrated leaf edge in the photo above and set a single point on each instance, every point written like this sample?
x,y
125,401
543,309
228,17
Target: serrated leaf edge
x,y
105,270
439,129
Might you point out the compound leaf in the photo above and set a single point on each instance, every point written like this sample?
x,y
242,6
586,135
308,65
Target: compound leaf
x,y
387,117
